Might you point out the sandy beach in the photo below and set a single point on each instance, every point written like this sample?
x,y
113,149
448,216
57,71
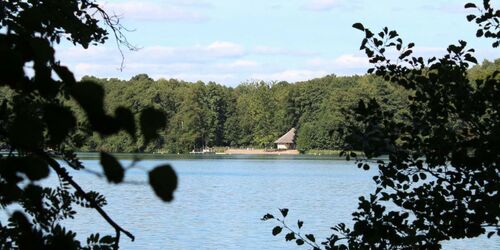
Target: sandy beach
x,y
260,152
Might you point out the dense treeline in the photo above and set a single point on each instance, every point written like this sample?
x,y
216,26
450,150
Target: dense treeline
x,y
250,115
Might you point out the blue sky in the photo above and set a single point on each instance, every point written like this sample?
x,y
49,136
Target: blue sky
x,y
230,41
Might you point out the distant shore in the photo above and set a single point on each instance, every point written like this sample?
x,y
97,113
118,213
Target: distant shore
x,y
260,152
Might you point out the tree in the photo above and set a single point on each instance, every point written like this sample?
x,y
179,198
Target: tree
x,y
442,170
38,127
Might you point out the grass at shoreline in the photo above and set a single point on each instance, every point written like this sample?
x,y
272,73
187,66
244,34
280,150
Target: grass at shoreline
x,y
333,152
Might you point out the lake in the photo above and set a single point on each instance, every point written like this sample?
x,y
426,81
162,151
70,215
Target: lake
x,y
220,200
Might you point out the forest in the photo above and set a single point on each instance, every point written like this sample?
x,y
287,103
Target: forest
x,y
252,114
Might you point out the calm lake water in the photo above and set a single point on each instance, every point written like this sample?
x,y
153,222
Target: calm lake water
x,y
220,200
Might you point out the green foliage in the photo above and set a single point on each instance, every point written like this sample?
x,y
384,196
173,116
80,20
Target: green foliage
x,y
42,118
441,180
250,115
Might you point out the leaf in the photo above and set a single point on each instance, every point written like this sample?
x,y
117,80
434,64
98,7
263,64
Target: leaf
x,y
366,167
363,44
358,26
151,121
29,238
267,217
415,178
90,96
26,131
60,121
471,17
470,58
479,33
107,240
125,119
300,223
112,168
277,230
290,236
34,168
163,180
423,176
284,211
405,54
65,74
310,237
470,5
299,242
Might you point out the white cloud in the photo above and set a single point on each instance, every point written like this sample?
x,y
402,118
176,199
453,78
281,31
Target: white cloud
x,y
453,8
154,54
196,53
321,5
221,61
344,61
219,48
193,77
193,3
269,50
155,11
292,75
326,5
238,65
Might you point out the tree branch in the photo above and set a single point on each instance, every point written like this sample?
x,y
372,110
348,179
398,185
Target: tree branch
x,y
62,172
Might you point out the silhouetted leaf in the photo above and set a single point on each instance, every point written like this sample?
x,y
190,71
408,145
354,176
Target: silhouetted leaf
x,y
310,237
151,121
107,240
366,166
90,96
60,121
267,217
290,236
470,5
65,74
423,176
26,131
284,211
358,26
112,168
415,178
126,120
299,242
277,230
300,223
34,168
470,58
29,238
163,180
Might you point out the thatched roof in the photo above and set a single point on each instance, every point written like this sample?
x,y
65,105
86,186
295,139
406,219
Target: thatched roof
x,y
289,137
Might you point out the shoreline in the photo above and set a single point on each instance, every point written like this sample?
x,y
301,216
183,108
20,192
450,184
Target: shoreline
x,y
260,152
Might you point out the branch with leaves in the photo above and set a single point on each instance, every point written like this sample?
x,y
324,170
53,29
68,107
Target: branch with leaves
x,y
450,133
308,239
38,126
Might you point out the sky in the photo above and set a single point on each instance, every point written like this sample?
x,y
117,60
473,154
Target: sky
x,y
231,42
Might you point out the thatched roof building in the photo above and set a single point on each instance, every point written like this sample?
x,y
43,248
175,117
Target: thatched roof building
x,y
287,141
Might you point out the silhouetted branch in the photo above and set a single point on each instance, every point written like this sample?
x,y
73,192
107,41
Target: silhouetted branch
x,y
62,172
